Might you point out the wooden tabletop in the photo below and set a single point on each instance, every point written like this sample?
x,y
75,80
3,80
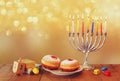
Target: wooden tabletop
x,y
6,74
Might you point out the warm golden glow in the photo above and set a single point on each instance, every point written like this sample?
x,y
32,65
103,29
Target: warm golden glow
x,y
33,28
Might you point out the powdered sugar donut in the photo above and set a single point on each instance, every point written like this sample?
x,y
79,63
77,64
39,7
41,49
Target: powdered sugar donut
x,y
69,65
50,62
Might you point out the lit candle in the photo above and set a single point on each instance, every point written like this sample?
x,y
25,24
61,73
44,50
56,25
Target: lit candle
x,y
105,25
69,24
82,27
82,24
69,27
97,27
92,27
101,25
88,22
78,28
73,24
101,28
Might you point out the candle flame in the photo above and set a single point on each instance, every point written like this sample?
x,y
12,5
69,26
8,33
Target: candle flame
x,y
78,16
101,17
82,16
73,17
105,18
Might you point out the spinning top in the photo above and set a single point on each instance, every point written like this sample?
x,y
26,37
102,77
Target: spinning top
x,y
35,70
104,68
107,73
96,71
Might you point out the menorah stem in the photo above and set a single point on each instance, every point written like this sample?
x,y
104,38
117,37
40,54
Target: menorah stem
x,y
86,45
86,66
86,59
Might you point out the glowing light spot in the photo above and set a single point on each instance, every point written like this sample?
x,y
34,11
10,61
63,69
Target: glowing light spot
x,y
8,4
87,10
2,3
35,19
29,19
20,4
40,35
45,9
32,19
3,11
23,29
33,1
8,33
16,23
25,10
55,3
101,17
93,1
116,7
49,15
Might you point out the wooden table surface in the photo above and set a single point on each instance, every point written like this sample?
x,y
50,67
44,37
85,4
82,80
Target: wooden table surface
x,y
6,74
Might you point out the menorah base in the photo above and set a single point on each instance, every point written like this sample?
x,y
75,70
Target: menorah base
x,y
87,67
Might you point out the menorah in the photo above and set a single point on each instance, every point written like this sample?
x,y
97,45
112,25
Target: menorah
x,y
87,36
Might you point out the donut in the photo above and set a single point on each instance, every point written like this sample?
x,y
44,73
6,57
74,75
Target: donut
x,y
50,62
69,65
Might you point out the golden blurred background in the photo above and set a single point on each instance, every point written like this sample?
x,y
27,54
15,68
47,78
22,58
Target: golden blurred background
x,y
33,28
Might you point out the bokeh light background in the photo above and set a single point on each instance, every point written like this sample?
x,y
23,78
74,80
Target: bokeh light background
x,y
34,28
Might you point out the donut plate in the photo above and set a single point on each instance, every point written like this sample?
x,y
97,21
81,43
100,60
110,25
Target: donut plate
x,y
62,73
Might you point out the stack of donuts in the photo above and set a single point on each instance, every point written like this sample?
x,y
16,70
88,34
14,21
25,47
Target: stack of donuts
x,y
53,62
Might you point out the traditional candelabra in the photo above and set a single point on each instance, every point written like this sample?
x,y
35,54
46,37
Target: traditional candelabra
x,y
87,35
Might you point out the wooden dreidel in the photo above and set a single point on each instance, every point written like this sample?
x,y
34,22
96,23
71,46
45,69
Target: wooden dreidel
x,y
18,67
104,69
107,73
35,70
96,71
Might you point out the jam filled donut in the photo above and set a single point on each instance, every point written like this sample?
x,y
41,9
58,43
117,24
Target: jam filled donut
x,y
69,65
50,62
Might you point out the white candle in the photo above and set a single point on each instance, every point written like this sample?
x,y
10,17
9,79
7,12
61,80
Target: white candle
x,y
73,25
78,28
105,25
82,24
69,24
